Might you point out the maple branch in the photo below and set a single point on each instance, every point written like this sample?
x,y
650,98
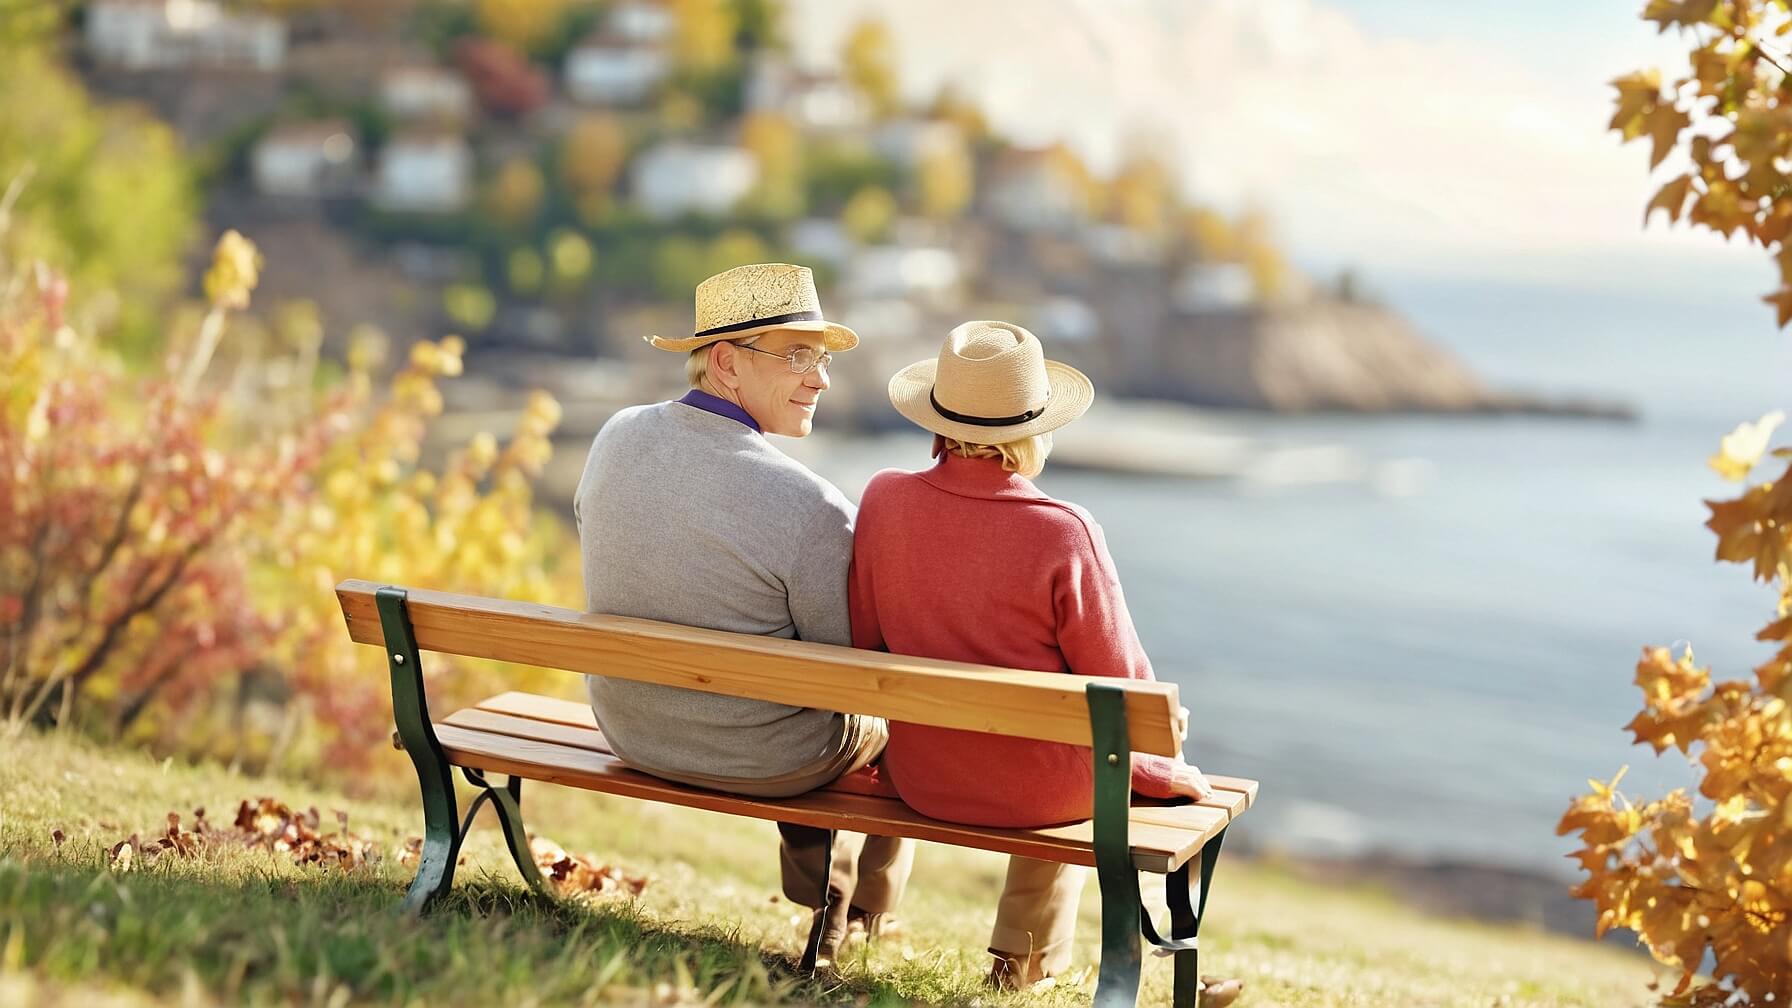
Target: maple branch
x,y
1763,50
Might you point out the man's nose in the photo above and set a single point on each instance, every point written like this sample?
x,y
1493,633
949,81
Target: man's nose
x,y
817,378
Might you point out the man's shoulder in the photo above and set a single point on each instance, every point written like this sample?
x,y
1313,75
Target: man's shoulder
x,y
785,477
630,418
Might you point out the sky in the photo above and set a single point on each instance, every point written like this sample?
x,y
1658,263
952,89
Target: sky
x,y
1399,138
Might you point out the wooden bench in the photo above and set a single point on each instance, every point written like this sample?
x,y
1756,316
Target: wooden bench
x,y
527,736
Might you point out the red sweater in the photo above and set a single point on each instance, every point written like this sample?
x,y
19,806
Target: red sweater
x,y
969,562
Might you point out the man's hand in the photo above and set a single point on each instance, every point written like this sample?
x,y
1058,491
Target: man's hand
x,y
1187,781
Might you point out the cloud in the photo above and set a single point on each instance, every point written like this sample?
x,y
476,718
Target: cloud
x,y
1370,148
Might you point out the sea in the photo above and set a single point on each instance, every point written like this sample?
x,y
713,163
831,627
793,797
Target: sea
x,y
1420,632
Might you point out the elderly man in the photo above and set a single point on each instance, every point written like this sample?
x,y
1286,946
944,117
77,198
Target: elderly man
x,y
687,514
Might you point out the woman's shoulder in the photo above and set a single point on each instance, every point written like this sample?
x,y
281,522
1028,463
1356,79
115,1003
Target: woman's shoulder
x,y
887,482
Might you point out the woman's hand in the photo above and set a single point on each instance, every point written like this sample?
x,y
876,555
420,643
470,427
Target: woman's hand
x,y
1187,781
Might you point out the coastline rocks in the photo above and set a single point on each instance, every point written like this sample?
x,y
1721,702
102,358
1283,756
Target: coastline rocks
x,y
1325,356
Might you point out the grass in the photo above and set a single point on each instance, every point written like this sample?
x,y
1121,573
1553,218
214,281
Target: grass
x,y
250,927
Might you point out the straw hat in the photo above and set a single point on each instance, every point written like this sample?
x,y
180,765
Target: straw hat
x,y
747,300
991,384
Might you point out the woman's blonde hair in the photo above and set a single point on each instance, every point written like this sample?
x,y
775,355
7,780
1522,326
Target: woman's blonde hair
x,y
1026,456
696,366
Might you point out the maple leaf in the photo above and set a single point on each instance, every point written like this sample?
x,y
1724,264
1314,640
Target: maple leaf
x,y
1638,93
1671,197
1663,124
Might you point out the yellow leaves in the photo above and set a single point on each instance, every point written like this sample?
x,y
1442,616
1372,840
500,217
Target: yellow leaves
x,y
1663,125
1781,300
1638,94
1712,882
869,215
235,270
1685,13
1671,197
1743,447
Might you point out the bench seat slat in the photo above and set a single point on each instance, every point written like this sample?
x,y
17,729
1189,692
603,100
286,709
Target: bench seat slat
x,y
1037,705
1162,845
563,721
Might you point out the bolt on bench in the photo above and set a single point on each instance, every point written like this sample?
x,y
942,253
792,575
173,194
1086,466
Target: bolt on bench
x,y
525,736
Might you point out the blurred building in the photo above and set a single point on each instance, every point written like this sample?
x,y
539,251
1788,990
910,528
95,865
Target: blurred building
x,y
1028,191
311,159
424,171
909,141
642,21
814,101
1211,286
158,34
678,178
920,273
820,240
423,93
614,68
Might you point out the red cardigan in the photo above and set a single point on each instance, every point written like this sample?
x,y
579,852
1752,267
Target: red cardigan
x,y
969,562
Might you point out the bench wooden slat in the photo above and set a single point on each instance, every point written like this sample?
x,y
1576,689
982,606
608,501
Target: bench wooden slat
x,y
541,708
562,719
1156,846
1036,705
1242,785
529,728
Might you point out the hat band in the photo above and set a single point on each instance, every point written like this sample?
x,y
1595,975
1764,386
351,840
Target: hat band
x,y
797,316
978,421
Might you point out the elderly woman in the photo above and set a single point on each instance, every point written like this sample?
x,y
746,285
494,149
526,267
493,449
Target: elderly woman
x,y
969,561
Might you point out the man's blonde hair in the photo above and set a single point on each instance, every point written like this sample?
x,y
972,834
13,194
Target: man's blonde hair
x,y
1026,456
696,366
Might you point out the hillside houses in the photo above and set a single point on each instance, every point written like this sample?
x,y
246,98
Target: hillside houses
x,y
168,34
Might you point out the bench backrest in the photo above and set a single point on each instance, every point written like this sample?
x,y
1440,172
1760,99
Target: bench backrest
x,y
1036,705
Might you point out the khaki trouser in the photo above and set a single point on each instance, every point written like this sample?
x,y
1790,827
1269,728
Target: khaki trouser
x,y
1036,917
868,872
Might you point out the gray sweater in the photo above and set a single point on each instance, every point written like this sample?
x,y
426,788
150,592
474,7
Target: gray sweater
x,y
689,517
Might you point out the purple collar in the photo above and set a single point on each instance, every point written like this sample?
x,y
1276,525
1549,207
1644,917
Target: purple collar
x,y
720,407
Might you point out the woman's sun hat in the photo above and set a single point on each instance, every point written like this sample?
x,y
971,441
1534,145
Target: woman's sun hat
x,y
991,384
748,300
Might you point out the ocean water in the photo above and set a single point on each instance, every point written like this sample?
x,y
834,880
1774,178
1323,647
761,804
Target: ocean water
x,y
1420,632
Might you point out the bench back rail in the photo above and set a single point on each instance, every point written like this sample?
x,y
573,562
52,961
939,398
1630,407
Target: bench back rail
x,y
1037,705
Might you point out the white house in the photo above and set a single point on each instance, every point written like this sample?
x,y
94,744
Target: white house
x,y
427,172
1213,286
908,141
426,93
305,159
1029,192
1066,319
817,101
678,178
820,239
158,34
613,69
642,22
903,271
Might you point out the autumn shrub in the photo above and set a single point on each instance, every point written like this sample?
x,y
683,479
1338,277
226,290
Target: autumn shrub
x,y
1705,880
1711,875
167,550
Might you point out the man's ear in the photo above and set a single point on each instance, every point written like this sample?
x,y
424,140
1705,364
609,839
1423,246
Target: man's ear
x,y
724,359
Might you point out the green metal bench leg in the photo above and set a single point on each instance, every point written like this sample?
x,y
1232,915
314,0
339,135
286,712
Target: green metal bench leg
x,y
507,803
1118,983
435,777
1186,913
812,949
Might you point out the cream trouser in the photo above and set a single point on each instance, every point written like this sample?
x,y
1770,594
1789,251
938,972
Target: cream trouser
x,y
1037,916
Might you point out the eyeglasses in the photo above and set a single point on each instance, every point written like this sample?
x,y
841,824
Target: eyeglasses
x,y
802,359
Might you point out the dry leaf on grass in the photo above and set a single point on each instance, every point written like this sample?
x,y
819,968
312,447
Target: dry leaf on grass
x,y
576,874
264,823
